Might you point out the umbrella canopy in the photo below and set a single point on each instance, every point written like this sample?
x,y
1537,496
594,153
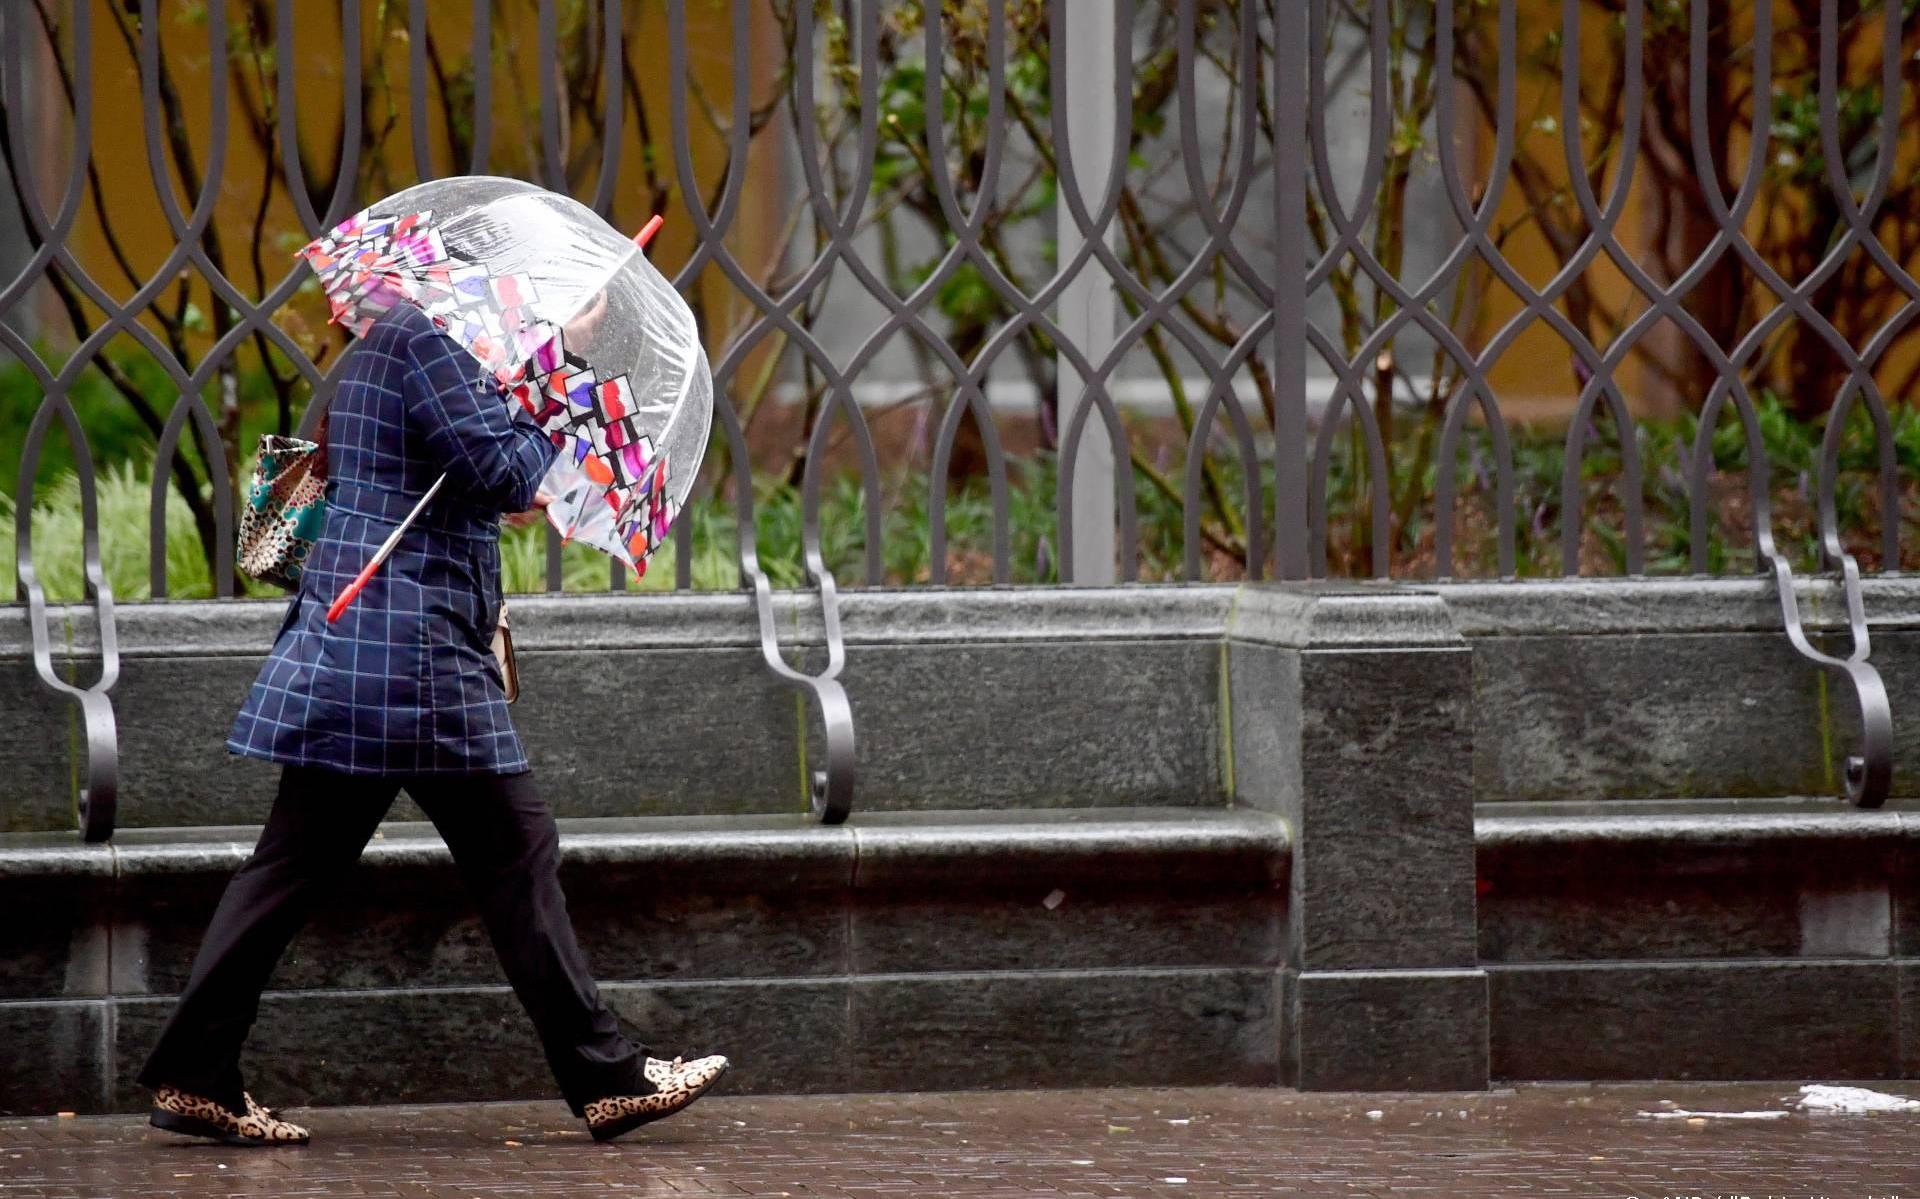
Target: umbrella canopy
x,y
571,319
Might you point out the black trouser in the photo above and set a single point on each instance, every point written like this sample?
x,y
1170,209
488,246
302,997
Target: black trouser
x,y
507,848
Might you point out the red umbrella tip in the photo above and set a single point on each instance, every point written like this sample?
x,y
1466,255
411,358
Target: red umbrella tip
x,y
647,231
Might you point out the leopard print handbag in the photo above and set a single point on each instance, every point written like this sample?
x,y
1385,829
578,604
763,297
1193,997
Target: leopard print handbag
x,y
285,509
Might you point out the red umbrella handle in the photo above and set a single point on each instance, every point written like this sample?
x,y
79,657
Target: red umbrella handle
x,y
352,589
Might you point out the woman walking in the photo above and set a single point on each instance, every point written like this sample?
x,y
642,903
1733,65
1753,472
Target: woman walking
x,y
403,693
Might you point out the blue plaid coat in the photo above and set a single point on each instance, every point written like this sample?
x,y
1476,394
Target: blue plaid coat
x,y
405,682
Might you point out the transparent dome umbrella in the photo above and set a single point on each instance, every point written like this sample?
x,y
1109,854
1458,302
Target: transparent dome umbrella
x,y
571,319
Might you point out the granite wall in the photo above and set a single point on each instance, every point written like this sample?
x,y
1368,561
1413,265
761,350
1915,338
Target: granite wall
x,y
1372,837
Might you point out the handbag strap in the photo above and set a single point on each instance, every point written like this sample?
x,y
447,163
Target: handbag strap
x,y
319,470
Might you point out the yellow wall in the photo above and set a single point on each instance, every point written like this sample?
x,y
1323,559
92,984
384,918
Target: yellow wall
x,y
133,212
1534,378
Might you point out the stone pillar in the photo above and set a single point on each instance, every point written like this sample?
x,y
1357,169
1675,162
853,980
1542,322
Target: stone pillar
x,y
1349,717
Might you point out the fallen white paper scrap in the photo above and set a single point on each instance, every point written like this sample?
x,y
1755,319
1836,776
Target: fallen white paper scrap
x,y
1822,1098
1683,1114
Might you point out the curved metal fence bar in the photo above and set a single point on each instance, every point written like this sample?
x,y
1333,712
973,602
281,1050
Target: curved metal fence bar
x,y
190,232
1538,305
831,789
1476,245
1867,775
613,124
1603,223
482,59
839,228
552,173
1220,223
346,176
97,803
970,398
293,169
1347,240
418,126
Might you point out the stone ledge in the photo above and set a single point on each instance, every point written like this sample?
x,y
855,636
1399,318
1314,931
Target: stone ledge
x,y
48,855
1699,881
878,849
681,898
814,854
1108,845
1691,838
690,620
1340,616
1696,823
1600,607
1357,613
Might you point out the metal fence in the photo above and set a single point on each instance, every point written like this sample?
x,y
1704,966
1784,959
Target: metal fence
x,y
1264,283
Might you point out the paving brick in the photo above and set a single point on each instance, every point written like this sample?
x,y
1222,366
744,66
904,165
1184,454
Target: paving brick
x,y
1573,1139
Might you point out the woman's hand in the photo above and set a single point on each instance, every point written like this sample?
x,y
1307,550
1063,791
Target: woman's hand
x,y
578,333
520,520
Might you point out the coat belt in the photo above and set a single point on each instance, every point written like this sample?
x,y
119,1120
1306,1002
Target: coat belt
x,y
445,515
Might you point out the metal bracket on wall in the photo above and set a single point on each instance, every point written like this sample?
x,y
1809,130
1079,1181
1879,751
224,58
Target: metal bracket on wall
x,y
830,791
99,798
1869,773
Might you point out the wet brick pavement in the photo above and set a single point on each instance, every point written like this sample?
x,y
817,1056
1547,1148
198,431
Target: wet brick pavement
x,y
1537,1140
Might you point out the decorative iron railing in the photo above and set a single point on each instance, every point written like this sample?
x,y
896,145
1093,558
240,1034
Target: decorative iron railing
x,y
1011,290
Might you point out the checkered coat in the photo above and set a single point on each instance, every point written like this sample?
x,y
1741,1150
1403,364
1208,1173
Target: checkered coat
x,y
405,682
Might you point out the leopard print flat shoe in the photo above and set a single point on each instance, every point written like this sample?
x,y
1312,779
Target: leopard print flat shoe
x,y
678,1082
192,1115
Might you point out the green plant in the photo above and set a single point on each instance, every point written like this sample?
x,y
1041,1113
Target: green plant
x,y
124,495
1665,449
